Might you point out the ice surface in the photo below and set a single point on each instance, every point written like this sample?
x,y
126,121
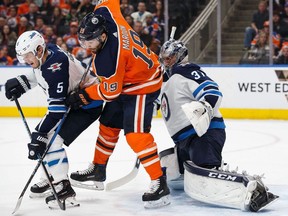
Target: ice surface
x,y
257,146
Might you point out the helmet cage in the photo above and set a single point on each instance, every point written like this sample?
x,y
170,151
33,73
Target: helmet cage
x,y
171,48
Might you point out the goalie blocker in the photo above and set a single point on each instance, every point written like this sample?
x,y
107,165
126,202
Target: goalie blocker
x,y
224,188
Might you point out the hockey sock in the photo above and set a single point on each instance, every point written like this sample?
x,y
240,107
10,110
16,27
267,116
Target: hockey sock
x,y
146,149
105,144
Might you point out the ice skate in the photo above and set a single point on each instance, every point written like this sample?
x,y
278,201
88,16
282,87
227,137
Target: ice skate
x,y
158,194
261,198
65,194
40,189
91,178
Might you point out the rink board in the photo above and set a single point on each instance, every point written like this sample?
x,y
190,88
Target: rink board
x,y
248,92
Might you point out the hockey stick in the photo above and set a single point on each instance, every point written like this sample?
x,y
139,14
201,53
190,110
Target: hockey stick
x,y
40,161
61,205
80,85
125,179
172,34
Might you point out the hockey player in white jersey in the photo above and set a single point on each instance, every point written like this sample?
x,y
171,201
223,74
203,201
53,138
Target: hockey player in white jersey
x,y
190,102
58,73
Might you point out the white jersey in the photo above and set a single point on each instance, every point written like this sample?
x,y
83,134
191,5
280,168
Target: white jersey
x,y
188,83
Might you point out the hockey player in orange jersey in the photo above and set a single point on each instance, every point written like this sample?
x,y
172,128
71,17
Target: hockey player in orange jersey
x,y
130,81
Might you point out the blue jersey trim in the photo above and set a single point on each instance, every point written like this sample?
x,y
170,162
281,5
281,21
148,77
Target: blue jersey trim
x,y
202,86
211,92
213,125
57,108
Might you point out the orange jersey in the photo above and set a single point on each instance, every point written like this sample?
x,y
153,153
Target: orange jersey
x,y
125,65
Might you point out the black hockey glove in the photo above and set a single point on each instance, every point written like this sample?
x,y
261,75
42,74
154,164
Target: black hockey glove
x,y
17,86
78,99
37,146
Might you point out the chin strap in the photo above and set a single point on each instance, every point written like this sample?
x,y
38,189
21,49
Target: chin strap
x,y
40,59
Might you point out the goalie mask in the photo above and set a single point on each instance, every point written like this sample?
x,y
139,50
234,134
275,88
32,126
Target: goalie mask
x,y
172,52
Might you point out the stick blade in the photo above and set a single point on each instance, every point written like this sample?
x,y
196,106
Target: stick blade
x,y
122,181
125,179
18,204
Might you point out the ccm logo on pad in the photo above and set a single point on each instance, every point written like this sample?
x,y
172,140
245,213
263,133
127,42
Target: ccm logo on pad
x,y
222,176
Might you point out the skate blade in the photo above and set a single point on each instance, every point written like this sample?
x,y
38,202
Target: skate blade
x,y
94,185
69,203
40,195
272,200
163,201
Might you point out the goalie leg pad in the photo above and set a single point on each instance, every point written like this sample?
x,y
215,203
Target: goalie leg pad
x,y
224,188
169,162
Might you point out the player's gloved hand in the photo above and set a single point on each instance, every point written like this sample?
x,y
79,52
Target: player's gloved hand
x,y
17,86
38,145
78,99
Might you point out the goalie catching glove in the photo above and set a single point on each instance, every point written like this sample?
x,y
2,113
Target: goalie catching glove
x,y
199,114
78,99
37,146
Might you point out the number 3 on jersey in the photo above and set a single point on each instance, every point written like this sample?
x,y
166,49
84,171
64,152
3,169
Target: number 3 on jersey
x,y
138,53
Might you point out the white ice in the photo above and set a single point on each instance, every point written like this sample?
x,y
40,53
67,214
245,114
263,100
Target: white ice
x,y
257,146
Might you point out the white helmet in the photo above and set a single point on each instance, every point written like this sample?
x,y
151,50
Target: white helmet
x,y
29,42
